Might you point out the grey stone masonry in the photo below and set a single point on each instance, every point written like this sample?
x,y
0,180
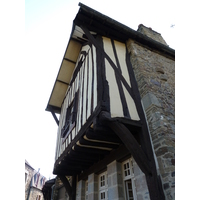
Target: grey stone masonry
x,y
155,76
115,181
140,183
151,34
80,190
92,187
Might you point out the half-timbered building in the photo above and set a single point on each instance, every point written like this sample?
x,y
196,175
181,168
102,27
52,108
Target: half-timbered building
x,y
104,139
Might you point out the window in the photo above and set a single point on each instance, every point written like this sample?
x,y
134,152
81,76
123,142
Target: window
x,y
70,120
103,186
129,189
129,181
26,175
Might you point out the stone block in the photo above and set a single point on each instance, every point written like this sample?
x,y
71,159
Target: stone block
x,y
113,192
150,99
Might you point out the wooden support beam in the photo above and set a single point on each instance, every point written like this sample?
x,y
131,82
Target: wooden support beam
x,y
132,145
54,116
74,187
117,154
67,185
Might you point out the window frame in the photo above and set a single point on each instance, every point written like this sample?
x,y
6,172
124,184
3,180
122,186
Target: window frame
x,y
104,188
26,176
70,119
129,177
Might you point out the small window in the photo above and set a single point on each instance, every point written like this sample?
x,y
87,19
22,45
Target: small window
x,y
126,169
103,195
129,181
103,186
70,120
129,189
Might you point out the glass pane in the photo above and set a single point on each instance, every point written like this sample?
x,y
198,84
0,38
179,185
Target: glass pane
x,y
129,190
103,195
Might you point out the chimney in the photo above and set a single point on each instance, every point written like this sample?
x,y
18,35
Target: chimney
x,y
151,34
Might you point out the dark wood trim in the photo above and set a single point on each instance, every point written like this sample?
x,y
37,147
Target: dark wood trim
x,y
54,108
105,55
87,75
69,60
80,133
83,86
103,136
66,185
74,187
81,58
71,126
88,150
62,82
97,144
132,145
54,116
117,154
102,83
106,26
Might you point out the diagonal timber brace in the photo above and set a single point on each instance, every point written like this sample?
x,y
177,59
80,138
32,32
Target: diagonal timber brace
x,y
54,116
145,164
132,145
71,190
66,184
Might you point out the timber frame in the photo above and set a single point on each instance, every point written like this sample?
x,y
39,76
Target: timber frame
x,y
110,138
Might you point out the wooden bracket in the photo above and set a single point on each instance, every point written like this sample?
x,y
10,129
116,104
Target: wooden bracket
x,y
66,184
132,145
71,190
54,116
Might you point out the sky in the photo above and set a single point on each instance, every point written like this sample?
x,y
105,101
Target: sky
x,y
48,25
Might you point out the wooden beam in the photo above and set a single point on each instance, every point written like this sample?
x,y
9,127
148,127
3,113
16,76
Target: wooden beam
x,y
70,60
81,132
132,145
54,116
106,56
74,187
66,185
97,143
117,154
99,135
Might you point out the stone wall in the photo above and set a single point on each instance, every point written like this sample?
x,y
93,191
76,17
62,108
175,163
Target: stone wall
x,y
31,191
155,76
92,187
116,190
59,192
115,181
140,183
80,190
29,171
34,192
